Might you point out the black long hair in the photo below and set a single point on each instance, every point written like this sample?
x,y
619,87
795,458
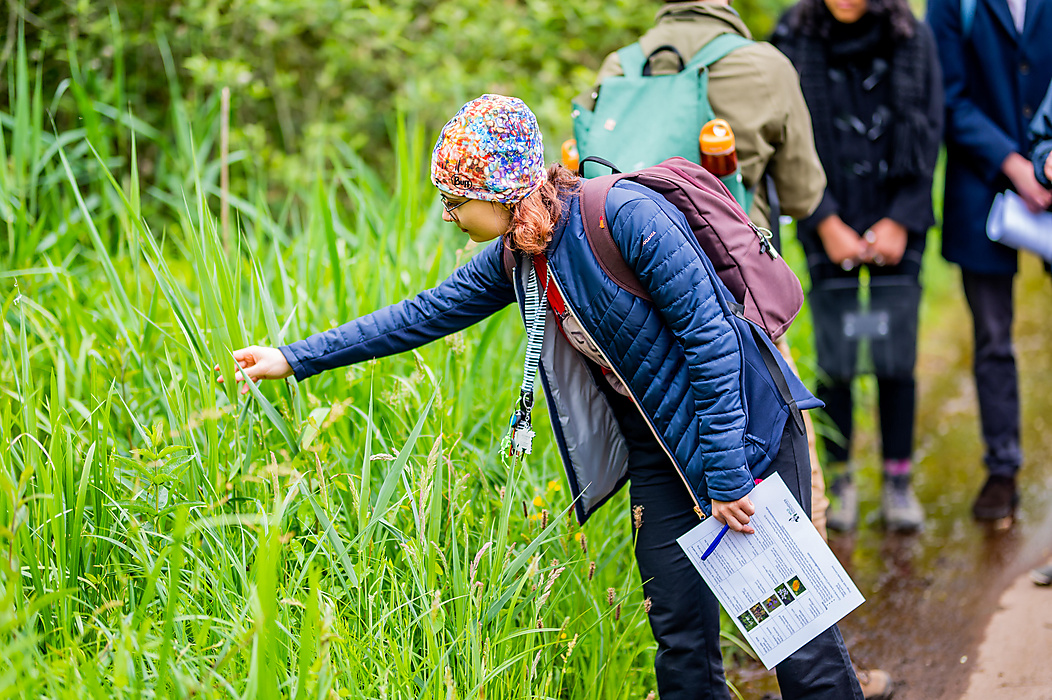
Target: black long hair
x,y
813,18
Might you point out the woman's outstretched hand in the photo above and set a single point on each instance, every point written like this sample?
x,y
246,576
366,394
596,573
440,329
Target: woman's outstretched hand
x,y
258,363
735,514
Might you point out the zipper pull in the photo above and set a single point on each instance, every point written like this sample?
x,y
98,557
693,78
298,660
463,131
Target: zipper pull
x,y
766,241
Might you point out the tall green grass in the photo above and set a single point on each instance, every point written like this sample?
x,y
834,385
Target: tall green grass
x,y
355,536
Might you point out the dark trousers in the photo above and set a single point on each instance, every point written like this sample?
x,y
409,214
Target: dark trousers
x,y
896,403
684,613
990,298
896,396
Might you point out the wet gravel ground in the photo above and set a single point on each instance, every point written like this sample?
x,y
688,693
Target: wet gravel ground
x,y
930,595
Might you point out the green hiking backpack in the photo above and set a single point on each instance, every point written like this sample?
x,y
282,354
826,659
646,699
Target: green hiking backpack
x,y
640,119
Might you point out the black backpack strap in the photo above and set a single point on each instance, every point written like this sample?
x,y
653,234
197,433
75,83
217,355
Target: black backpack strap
x,y
663,48
601,240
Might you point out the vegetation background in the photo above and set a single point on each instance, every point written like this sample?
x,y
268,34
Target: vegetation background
x,y
355,536
301,71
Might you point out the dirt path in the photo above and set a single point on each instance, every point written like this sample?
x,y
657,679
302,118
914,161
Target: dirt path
x,y
1012,661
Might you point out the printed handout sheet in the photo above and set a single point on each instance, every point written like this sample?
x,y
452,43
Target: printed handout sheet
x,y
782,585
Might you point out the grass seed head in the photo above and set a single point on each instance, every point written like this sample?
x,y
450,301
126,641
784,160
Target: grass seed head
x,y
569,648
436,604
610,593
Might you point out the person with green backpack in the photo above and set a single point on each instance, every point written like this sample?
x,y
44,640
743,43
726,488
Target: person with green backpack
x,y
647,89
749,84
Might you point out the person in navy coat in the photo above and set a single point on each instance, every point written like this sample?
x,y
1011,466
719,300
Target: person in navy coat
x,y
996,59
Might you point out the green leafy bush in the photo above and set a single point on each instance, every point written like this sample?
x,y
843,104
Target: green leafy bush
x,y
300,69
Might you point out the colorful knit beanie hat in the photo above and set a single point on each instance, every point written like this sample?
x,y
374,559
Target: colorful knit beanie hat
x,y
491,150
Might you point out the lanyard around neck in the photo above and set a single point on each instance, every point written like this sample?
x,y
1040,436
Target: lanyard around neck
x,y
521,432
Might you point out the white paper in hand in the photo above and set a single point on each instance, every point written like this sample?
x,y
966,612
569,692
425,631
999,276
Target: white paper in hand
x,y
782,586
1011,222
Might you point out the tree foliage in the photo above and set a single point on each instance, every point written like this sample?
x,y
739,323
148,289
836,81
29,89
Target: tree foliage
x,y
303,71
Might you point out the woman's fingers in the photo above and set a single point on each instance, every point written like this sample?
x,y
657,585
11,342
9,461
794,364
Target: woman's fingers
x,y
244,387
258,363
244,357
735,514
739,522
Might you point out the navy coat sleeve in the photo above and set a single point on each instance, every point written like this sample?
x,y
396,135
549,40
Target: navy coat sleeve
x,y
474,291
1041,139
966,125
657,244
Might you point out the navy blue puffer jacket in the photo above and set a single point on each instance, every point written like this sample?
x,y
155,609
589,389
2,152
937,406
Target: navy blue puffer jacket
x,y
698,372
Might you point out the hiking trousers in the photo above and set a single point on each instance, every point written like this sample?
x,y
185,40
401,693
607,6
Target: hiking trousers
x,y
684,613
991,300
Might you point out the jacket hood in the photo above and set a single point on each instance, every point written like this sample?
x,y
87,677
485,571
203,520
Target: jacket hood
x,y
723,19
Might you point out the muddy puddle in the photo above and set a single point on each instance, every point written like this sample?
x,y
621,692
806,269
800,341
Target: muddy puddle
x,y
930,595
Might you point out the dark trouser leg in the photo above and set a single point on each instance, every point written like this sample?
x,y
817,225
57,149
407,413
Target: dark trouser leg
x,y
834,293
897,399
990,299
684,614
821,669
837,396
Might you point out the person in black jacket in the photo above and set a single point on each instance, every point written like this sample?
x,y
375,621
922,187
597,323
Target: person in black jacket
x,y
870,76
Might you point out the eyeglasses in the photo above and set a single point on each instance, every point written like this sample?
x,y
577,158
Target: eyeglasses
x,y
450,208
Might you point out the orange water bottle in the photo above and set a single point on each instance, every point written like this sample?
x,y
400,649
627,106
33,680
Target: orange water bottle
x,y
571,159
719,156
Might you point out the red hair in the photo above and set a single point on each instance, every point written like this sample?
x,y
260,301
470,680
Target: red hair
x,y
535,217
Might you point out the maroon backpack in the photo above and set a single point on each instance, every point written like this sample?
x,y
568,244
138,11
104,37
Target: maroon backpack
x,y
740,251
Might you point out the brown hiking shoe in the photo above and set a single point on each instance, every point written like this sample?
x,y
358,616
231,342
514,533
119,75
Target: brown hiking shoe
x,y
876,684
997,500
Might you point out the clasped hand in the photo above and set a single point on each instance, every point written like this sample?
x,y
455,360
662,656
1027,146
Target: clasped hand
x,y
883,243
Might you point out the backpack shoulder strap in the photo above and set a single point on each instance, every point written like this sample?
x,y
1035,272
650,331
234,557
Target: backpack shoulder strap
x,y
507,257
717,49
632,60
967,17
600,239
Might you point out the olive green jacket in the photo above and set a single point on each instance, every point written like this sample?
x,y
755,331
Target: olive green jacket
x,y
756,89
